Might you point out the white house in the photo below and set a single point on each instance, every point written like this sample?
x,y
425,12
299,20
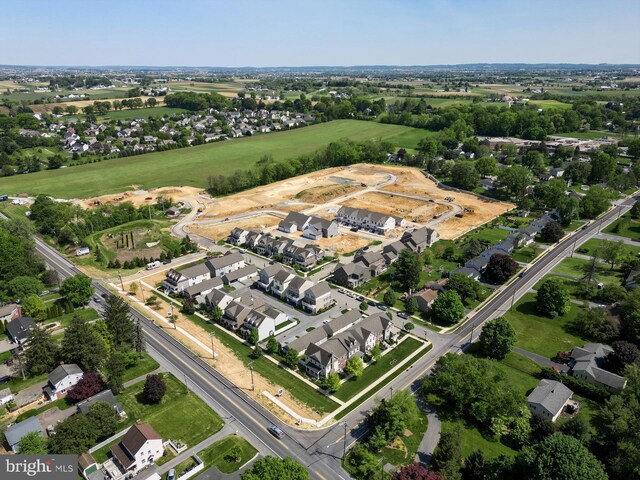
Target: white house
x,y
140,447
62,379
548,399
265,320
177,281
230,262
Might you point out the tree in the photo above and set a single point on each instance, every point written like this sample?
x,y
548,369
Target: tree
x,y
411,305
447,457
90,384
515,180
390,298
115,368
376,352
154,388
551,232
500,268
354,366
596,201
390,418
447,307
81,345
138,339
42,354
578,427
77,289
364,306
408,268
75,434
624,353
475,467
133,288
104,419
415,471
568,209
552,298
254,336
274,468
216,313
465,176
611,252
332,382
635,210
116,315
35,307
560,457
23,286
273,346
101,330
497,338
467,288
595,324
291,358
33,443
487,166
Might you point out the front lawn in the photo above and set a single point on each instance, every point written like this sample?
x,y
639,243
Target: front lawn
x,y
625,227
374,371
217,454
542,335
181,415
473,439
593,245
145,365
526,254
571,267
88,314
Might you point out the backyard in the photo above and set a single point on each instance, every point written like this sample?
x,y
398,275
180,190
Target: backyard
x,y
219,454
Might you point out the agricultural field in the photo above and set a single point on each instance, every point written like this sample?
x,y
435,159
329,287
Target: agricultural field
x,y
130,114
193,165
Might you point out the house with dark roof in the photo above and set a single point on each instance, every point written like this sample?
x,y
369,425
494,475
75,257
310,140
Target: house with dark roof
x,y
304,256
237,236
264,320
240,275
140,447
351,275
62,379
18,329
419,239
373,221
374,261
217,298
15,432
586,363
549,399
294,222
105,396
198,291
478,264
320,228
296,290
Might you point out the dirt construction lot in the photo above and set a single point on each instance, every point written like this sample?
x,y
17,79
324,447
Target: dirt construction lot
x,y
220,231
408,208
412,181
139,197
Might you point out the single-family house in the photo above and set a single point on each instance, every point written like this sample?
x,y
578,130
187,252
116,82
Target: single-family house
x,y
478,264
217,298
419,239
320,228
266,275
294,222
14,433
105,396
587,363
281,281
62,379
235,315
351,275
549,399
9,312
317,298
467,272
140,447
374,261
18,329
264,320
425,299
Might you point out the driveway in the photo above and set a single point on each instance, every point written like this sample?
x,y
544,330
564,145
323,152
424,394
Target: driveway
x,y
29,395
431,436
54,415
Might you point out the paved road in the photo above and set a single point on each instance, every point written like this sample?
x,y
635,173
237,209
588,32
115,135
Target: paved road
x,y
320,451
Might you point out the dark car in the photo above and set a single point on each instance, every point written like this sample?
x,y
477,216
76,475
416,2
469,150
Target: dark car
x,y
371,303
276,432
355,229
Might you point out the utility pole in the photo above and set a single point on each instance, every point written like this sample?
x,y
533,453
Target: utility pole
x,y
253,387
142,291
344,443
120,277
213,350
173,320
473,327
391,392
513,297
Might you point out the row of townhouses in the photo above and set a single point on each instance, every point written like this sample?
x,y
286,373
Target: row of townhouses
x,y
374,222
304,256
311,227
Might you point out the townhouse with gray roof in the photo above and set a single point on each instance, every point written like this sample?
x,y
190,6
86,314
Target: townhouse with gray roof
x,y
375,222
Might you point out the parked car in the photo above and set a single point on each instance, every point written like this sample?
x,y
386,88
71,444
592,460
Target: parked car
x,y
360,298
371,303
342,290
276,432
45,292
172,474
354,229
403,315
96,299
383,307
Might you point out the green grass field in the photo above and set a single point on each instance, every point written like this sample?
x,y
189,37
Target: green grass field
x,y
174,417
542,335
625,227
192,166
571,268
551,105
591,247
216,455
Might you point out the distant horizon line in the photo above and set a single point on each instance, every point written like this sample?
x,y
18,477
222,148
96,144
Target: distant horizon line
x,y
362,66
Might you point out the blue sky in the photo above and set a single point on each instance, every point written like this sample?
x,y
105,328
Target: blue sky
x,y
327,32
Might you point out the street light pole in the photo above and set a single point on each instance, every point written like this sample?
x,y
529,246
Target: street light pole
x,y
142,292
251,370
344,443
213,349
120,277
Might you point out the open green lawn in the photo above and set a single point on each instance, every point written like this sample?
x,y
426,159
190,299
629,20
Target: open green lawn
x,y
526,254
591,246
216,455
491,235
174,417
192,166
306,394
376,370
473,439
571,268
542,335
145,365
551,105
87,314
625,227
